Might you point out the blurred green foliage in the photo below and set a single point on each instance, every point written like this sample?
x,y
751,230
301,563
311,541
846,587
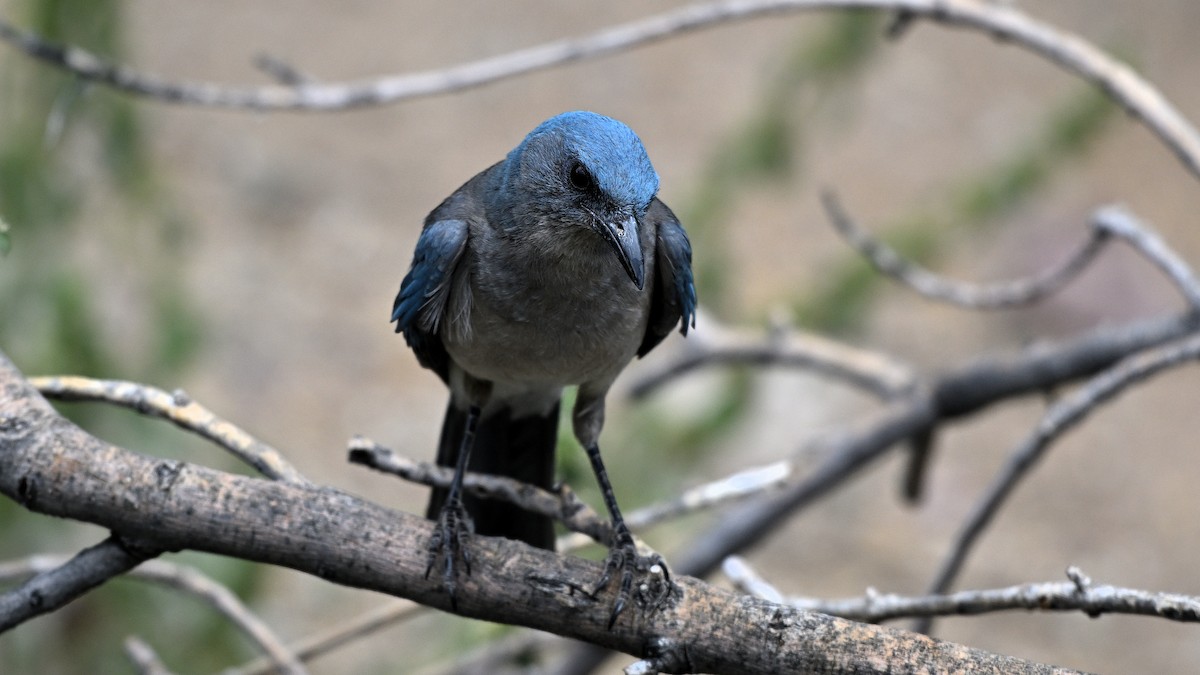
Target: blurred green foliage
x,y
72,155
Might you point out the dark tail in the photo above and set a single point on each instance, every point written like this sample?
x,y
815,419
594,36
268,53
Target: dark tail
x,y
518,448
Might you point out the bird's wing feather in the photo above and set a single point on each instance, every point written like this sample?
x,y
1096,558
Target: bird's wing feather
x,y
673,298
421,304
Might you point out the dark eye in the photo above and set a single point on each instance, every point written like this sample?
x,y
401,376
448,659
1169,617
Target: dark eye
x,y
579,176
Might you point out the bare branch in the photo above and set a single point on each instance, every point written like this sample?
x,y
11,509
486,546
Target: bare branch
x,y
1061,417
390,614
1119,222
1070,52
1058,596
734,487
188,580
564,506
177,408
58,584
716,344
144,658
353,542
1001,295
956,393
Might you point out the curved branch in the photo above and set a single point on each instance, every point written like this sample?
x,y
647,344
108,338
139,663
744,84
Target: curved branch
x,y
177,408
1060,418
999,295
144,658
1071,52
50,466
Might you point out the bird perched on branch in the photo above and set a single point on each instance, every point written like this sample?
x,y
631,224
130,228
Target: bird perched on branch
x,y
553,267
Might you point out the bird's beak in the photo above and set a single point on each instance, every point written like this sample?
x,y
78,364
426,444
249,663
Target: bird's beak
x,y
623,235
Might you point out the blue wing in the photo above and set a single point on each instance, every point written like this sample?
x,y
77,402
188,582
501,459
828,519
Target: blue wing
x,y
673,299
425,291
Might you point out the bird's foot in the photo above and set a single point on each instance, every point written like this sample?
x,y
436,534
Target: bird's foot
x,y
448,542
624,561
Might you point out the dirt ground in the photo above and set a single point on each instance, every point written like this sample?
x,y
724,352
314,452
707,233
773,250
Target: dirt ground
x,y
304,225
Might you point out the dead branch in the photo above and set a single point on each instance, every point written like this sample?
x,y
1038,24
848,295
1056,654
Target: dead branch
x,y
1000,20
52,467
188,580
58,584
177,408
1000,295
716,344
1061,417
1078,594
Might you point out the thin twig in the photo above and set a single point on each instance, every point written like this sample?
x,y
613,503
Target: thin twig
x,y
716,344
1119,222
1061,417
729,489
60,580
1000,295
190,581
499,656
562,506
322,643
177,408
1008,24
144,658
1079,594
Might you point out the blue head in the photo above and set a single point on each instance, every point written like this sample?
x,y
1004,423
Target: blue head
x,y
580,169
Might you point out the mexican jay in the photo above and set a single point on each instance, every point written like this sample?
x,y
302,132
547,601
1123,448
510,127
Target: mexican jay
x,y
553,267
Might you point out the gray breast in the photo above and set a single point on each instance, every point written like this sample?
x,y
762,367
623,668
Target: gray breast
x,y
553,311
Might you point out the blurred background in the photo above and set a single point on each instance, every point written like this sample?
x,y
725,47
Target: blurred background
x,y
251,259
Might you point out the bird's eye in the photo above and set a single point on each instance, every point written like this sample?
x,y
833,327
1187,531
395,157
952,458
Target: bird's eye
x,y
579,176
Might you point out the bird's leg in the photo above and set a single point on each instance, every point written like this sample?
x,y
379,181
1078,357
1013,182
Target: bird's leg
x,y
623,555
453,524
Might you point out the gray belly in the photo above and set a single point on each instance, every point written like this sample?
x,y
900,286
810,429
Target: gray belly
x,y
548,342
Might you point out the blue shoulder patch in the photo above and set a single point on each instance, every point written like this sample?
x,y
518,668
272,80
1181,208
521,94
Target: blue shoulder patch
x,y
423,293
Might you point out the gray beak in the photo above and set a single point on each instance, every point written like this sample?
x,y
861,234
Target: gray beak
x,y
623,235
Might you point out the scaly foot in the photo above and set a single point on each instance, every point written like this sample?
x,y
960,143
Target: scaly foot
x,y
449,539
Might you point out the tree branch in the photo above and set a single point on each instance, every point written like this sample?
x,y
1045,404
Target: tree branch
x,y
394,612
53,588
1001,295
716,344
188,580
1079,595
177,408
144,658
50,466
1006,23
1060,418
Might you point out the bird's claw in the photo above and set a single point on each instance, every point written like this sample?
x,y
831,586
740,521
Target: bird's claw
x,y
448,542
623,558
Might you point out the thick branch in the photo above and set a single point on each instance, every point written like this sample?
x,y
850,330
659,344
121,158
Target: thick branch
x,y
53,588
50,466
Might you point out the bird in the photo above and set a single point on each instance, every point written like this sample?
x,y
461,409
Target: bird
x,y
554,267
